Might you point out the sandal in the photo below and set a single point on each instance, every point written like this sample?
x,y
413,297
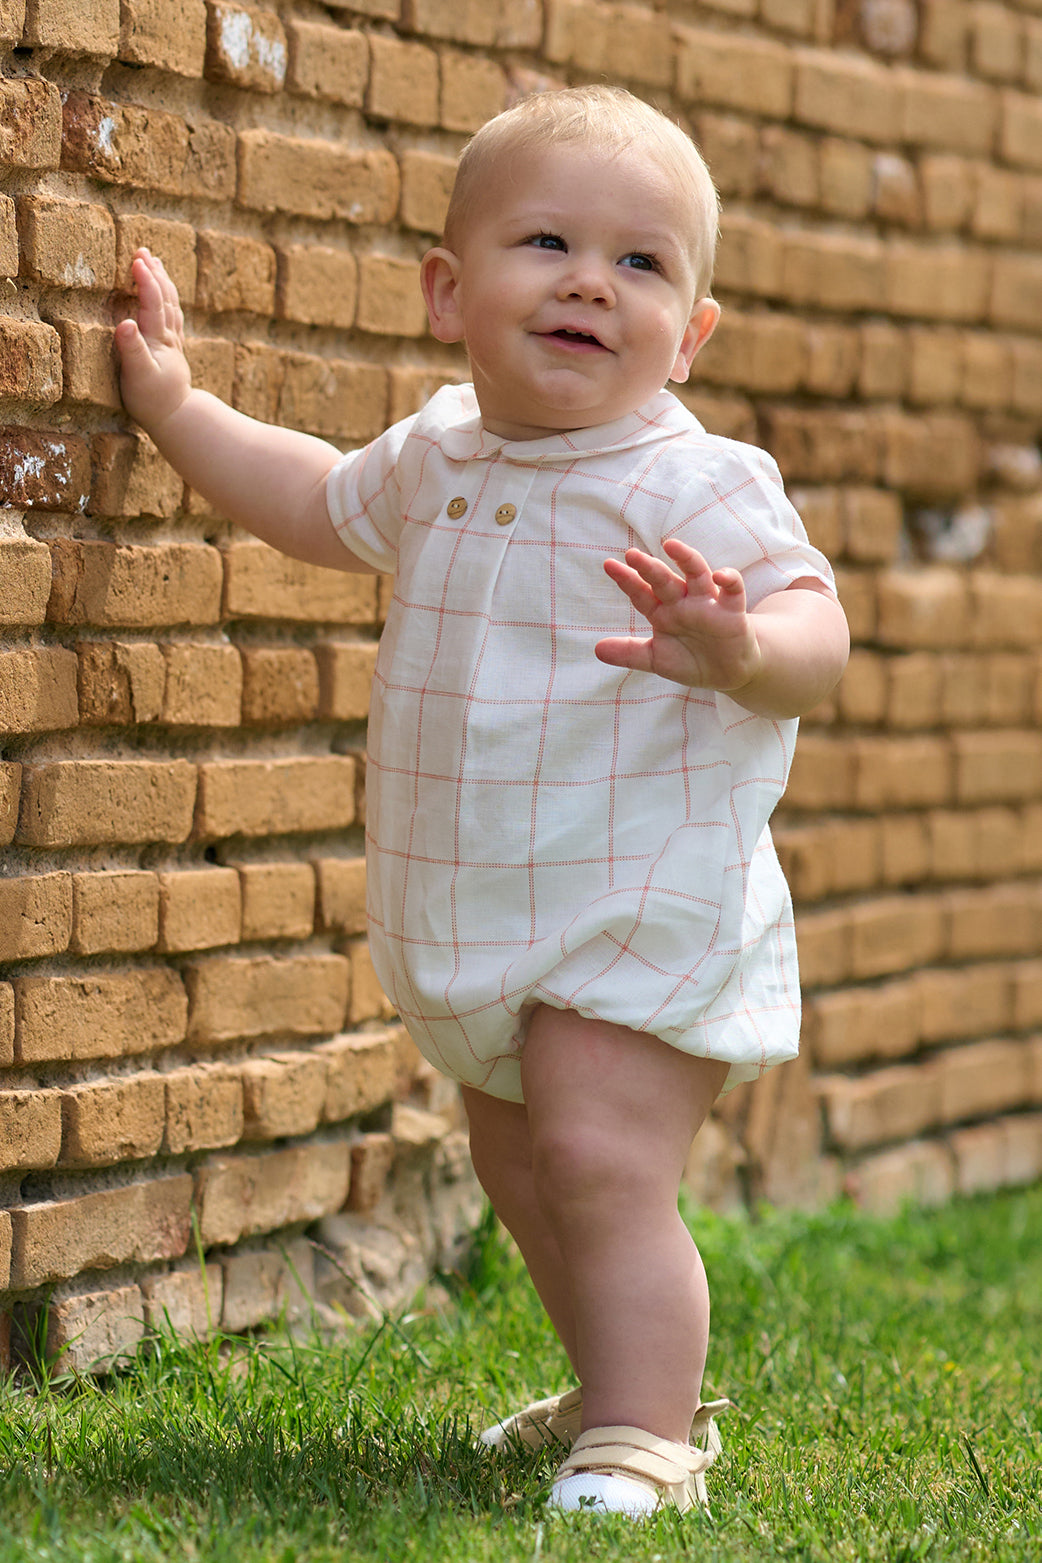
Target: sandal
x,y
624,1470
544,1422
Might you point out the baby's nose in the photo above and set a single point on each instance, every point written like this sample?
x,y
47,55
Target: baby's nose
x,y
589,278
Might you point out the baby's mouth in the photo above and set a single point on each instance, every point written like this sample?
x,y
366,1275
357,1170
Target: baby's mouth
x,y
584,337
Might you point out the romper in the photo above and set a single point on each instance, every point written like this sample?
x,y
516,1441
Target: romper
x,y
543,828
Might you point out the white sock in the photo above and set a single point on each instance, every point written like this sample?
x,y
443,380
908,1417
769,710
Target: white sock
x,y
603,1495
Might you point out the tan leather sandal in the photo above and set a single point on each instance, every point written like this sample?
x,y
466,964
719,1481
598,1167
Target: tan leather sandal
x,y
624,1470
558,1419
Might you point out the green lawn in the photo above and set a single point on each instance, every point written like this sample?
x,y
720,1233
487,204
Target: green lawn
x,y
886,1375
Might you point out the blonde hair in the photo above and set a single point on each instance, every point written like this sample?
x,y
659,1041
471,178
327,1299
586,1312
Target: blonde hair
x,y
610,118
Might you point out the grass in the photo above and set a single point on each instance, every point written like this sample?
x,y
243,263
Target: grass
x,y
886,1375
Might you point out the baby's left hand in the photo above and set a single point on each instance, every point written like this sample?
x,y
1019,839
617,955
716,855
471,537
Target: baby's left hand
x,y
701,633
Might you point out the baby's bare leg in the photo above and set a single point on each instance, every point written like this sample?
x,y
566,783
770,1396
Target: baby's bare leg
x,y
501,1151
611,1117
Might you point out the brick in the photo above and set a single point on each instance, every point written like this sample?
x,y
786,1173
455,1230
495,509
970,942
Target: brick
x,y
904,849
93,1332
30,1129
982,1079
67,244
144,147
473,90
131,478
279,685
170,36
174,242
998,208
822,775
246,48
872,520
30,362
317,285
883,372
1023,1148
235,273
203,686
896,192
403,81
845,177
970,1002
114,911
760,352
6,1023
389,297
822,445
345,670
35,915
361,1073
943,33
278,900
895,933
994,920
89,370
889,1104
138,1222
43,470
78,28
997,767
461,21
102,802
186,1303
5,1272
807,858
316,178
199,908
106,1122
368,1000
820,511
261,583
981,844
283,1094
864,691
104,1015
893,772
1026,394
857,593
858,1025
1016,298
609,41
982,1156
38,690
300,995
832,359
10,793
328,62
341,893
372,1157
947,189
790,166
1007,611
266,797
212,363
266,1283
204,1109
239,1196
427,180
1020,130
331,397
937,282
987,371
924,608
935,366
834,271
948,113
112,584
921,1172
801,18
25,580
845,94
30,123
749,259
120,681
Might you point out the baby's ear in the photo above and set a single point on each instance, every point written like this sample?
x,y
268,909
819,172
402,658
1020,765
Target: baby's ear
x,y
697,332
439,279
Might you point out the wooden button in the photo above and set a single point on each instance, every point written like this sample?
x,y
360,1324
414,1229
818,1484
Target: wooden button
x,y
457,507
505,514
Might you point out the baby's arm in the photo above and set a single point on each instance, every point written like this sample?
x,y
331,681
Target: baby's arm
x,y
778,659
269,480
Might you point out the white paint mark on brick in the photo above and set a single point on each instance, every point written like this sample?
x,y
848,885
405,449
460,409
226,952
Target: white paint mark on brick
x,y
106,129
79,275
243,45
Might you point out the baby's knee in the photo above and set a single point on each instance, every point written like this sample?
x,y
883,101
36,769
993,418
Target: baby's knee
x,y
576,1167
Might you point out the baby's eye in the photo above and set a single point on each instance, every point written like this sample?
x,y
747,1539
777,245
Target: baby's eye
x,y
547,241
640,262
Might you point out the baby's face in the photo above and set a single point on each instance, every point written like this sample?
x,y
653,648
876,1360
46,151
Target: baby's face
x,y
573,287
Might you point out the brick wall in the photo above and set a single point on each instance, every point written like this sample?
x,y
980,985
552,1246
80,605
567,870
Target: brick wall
x,y
194,1055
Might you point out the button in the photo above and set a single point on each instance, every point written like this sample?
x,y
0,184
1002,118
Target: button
x,y
457,507
505,514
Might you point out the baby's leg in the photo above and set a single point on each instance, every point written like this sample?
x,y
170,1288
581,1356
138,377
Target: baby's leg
x,y
501,1151
611,1114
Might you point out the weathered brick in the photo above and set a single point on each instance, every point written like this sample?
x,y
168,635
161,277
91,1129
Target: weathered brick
x,y
760,352
734,71
822,775
133,145
267,1283
104,1015
921,1172
316,178
212,362
995,767
5,1275
892,772
67,244
106,1122
372,1157
238,1196
73,26
895,933
937,282
92,1332
279,684
235,273
30,362
389,298
998,207
969,1002
949,113
473,90
987,371
860,1024
204,1109
317,285
98,802
1026,394
822,445
884,361
173,242
278,900
994,920
332,397
1020,129
6,1023
203,686
328,62
170,36
982,1079
926,608
904,846
30,123
368,1000
136,586
345,670
1016,299
889,1104
749,259
30,1129
89,369
361,1076
935,366
185,1302
114,911
846,94
38,690
199,908
35,915
268,797
43,470
261,583
609,41
283,1094
299,995
978,844
341,893
139,1222
122,682
245,47
25,580
427,180
10,793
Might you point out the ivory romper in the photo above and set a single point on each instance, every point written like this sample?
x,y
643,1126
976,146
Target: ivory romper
x,y
543,828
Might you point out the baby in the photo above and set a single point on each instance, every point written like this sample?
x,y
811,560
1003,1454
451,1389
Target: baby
x,y
605,623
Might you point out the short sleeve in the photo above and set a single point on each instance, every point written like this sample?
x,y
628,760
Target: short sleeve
x,y
737,514
363,496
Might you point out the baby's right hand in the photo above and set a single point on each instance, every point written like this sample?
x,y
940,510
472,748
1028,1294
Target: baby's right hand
x,y
154,377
